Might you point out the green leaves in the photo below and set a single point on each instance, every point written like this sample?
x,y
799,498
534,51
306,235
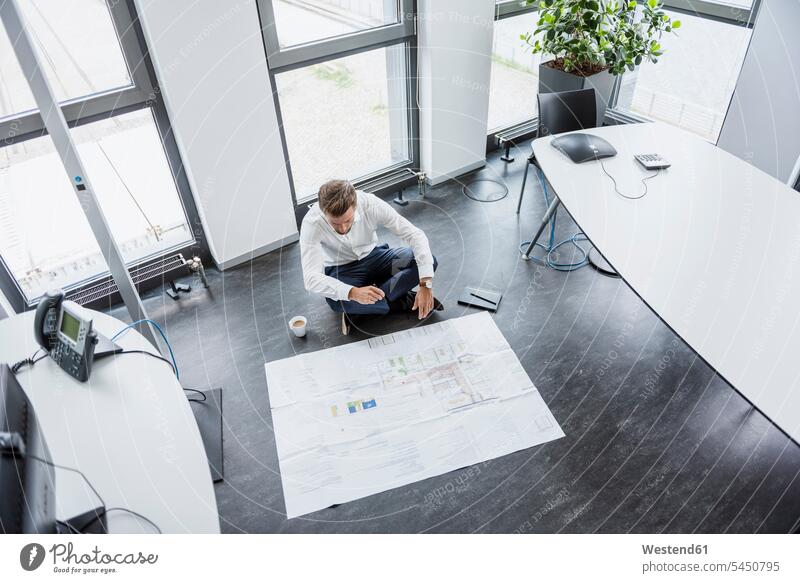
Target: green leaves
x,y
587,36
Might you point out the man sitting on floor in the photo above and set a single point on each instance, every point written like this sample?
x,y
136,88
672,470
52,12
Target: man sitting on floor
x,y
342,261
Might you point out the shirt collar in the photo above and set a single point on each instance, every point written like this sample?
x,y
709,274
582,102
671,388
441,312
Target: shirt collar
x,y
356,216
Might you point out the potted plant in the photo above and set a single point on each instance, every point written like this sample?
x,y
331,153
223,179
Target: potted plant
x,y
592,41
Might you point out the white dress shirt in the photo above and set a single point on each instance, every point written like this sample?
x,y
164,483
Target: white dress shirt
x,y
321,246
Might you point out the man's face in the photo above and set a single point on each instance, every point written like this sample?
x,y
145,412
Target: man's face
x,y
343,223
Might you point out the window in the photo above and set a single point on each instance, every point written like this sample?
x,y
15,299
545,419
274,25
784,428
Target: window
x,y
692,84
515,73
76,65
343,76
299,23
47,242
337,118
121,131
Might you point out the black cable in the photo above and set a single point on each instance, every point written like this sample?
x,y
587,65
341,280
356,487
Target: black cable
x,y
30,361
205,397
149,354
173,370
616,189
68,526
69,469
469,193
105,510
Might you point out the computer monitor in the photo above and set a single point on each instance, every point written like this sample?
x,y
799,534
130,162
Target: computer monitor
x,y
27,485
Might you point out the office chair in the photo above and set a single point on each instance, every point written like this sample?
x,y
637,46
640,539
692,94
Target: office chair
x,y
561,112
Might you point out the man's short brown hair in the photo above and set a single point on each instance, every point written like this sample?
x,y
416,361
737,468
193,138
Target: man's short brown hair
x,y
336,197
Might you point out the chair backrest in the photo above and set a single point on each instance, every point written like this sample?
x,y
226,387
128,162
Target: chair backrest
x,y
567,111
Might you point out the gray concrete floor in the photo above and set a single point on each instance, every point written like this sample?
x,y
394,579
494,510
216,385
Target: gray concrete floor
x,y
655,440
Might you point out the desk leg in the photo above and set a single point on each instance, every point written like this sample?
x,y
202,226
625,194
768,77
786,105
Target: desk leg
x,y
545,219
522,190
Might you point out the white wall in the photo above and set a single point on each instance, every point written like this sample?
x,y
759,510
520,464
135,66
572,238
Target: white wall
x,y
763,122
455,45
211,66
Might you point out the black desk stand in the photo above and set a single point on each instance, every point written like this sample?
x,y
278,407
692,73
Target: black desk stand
x,y
208,414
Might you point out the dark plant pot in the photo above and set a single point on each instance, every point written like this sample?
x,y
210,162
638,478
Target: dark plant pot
x,y
555,80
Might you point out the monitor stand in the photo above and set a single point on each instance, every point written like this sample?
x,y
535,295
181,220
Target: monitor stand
x,y
89,522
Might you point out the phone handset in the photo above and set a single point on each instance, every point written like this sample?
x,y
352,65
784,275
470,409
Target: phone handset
x,y
46,319
64,330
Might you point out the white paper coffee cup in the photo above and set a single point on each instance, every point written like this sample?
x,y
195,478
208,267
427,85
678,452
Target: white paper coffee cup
x,y
298,326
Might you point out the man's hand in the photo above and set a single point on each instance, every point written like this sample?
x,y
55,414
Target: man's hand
x,y
424,301
366,295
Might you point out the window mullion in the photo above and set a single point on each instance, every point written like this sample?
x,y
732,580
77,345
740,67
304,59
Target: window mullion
x,y
512,8
29,124
714,10
131,46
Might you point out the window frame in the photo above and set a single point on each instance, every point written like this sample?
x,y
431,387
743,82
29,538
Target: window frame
x,y
526,128
143,93
707,9
720,11
281,60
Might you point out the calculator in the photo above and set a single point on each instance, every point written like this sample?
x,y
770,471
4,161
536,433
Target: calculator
x,y
652,161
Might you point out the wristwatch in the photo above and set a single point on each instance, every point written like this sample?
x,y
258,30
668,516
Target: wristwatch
x,y
426,283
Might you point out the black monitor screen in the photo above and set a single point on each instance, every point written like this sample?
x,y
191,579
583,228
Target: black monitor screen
x,y
27,485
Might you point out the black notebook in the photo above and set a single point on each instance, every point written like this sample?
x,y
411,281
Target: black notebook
x,y
480,298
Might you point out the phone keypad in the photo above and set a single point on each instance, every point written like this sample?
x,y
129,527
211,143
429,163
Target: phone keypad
x,y
68,359
652,161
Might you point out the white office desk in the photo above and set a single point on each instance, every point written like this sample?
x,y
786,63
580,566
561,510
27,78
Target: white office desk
x,y
130,429
713,249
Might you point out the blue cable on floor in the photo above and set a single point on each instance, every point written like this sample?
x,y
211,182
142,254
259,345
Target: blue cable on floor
x,y
552,246
164,336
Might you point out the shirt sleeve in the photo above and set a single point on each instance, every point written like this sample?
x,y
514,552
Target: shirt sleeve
x,y
312,260
388,217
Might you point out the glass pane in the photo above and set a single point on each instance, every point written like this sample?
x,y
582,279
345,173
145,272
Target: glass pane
x,y
312,20
735,5
692,83
46,240
345,118
79,48
515,73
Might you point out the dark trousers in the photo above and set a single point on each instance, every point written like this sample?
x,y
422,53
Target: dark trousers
x,y
392,270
